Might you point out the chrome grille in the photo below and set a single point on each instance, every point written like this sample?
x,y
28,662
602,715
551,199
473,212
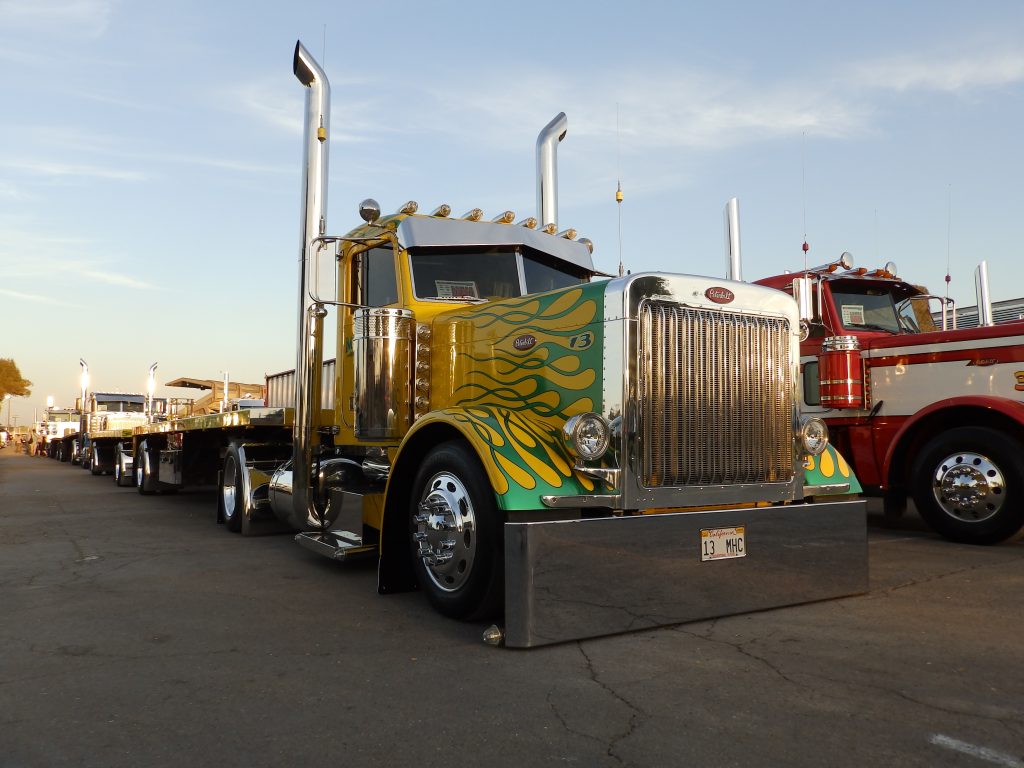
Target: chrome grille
x,y
715,404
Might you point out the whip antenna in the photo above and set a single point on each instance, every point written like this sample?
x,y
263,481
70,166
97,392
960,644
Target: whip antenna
x,y
618,183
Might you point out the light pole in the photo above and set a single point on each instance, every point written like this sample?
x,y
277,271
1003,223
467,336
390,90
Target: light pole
x,y
85,389
7,398
152,386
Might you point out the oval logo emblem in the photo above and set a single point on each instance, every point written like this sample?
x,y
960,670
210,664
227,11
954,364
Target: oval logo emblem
x,y
524,342
719,295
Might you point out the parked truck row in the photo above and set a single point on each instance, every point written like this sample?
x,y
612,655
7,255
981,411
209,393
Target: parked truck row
x,y
519,436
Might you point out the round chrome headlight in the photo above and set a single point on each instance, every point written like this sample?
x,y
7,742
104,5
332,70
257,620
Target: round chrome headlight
x,y
814,435
587,435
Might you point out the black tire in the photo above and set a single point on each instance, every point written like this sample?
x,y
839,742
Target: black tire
x,y
232,491
968,485
465,526
146,481
93,461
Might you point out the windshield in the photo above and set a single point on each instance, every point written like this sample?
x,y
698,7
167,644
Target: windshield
x,y
487,273
868,309
119,406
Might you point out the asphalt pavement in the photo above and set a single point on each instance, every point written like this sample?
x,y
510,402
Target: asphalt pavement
x,y
135,631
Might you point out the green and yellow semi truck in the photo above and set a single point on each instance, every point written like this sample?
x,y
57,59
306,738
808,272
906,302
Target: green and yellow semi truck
x,y
522,438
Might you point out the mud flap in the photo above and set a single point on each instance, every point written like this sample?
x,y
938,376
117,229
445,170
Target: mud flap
x,y
576,579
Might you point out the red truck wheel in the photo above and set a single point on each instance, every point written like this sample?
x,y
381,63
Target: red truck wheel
x,y
968,485
456,534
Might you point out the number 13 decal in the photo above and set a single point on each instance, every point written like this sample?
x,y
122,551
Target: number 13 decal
x,y
585,339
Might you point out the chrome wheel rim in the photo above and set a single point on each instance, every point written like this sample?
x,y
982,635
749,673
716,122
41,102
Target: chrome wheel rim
x,y
445,533
143,463
228,493
969,487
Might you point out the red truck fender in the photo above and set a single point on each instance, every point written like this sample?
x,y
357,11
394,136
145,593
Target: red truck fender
x,y
999,411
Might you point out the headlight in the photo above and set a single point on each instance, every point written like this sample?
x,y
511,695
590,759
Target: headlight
x,y
587,435
814,435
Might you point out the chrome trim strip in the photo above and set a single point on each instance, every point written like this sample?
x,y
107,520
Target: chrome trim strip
x,y
604,474
559,502
815,490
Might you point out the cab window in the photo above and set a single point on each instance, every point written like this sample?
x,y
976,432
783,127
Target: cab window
x,y
374,281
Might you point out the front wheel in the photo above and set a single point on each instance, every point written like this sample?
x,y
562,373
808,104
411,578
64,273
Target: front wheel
x,y
94,462
968,485
456,534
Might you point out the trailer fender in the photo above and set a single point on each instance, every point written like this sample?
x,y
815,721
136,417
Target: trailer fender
x,y
977,410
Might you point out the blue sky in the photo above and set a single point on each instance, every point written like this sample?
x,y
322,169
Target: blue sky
x,y
149,152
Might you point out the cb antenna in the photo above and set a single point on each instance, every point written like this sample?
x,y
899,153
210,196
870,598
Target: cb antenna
x,y
618,182
803,195
949,220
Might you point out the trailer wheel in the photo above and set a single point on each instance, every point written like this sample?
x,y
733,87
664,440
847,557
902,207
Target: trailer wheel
x,y
145,479
968,485
94,464
232,491
121,478
456,534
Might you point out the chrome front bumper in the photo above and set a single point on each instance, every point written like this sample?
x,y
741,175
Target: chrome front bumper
x,y
569,580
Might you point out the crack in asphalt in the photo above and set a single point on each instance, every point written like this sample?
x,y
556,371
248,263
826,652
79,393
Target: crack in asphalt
x,y
637,713
1009,721
939,576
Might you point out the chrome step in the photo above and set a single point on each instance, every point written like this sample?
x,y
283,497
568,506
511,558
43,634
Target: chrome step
x,y
337,545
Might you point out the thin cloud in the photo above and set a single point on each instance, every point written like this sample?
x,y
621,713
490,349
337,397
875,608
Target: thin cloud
x,y
85,18
113,278
680,111
942,73
352,120
37,299
57,169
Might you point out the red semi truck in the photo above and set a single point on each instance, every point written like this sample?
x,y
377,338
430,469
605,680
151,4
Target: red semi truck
x,y
922,411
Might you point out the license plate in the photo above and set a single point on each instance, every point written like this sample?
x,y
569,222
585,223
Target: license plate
x,y
722,543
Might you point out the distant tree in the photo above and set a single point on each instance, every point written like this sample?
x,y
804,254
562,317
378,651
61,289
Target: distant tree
x,y
11,380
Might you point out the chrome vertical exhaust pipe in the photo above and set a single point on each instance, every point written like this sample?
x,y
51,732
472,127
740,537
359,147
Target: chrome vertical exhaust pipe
x,y
733,259
305,512
984,300
547,169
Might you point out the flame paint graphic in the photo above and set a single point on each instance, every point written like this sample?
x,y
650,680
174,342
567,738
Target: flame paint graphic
x,y
516,401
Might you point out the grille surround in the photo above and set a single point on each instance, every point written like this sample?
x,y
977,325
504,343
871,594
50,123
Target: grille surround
x,y
715,401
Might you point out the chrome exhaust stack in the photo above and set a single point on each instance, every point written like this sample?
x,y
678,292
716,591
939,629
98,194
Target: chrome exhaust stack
x,y
547,170
733,259
305,513
984,300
